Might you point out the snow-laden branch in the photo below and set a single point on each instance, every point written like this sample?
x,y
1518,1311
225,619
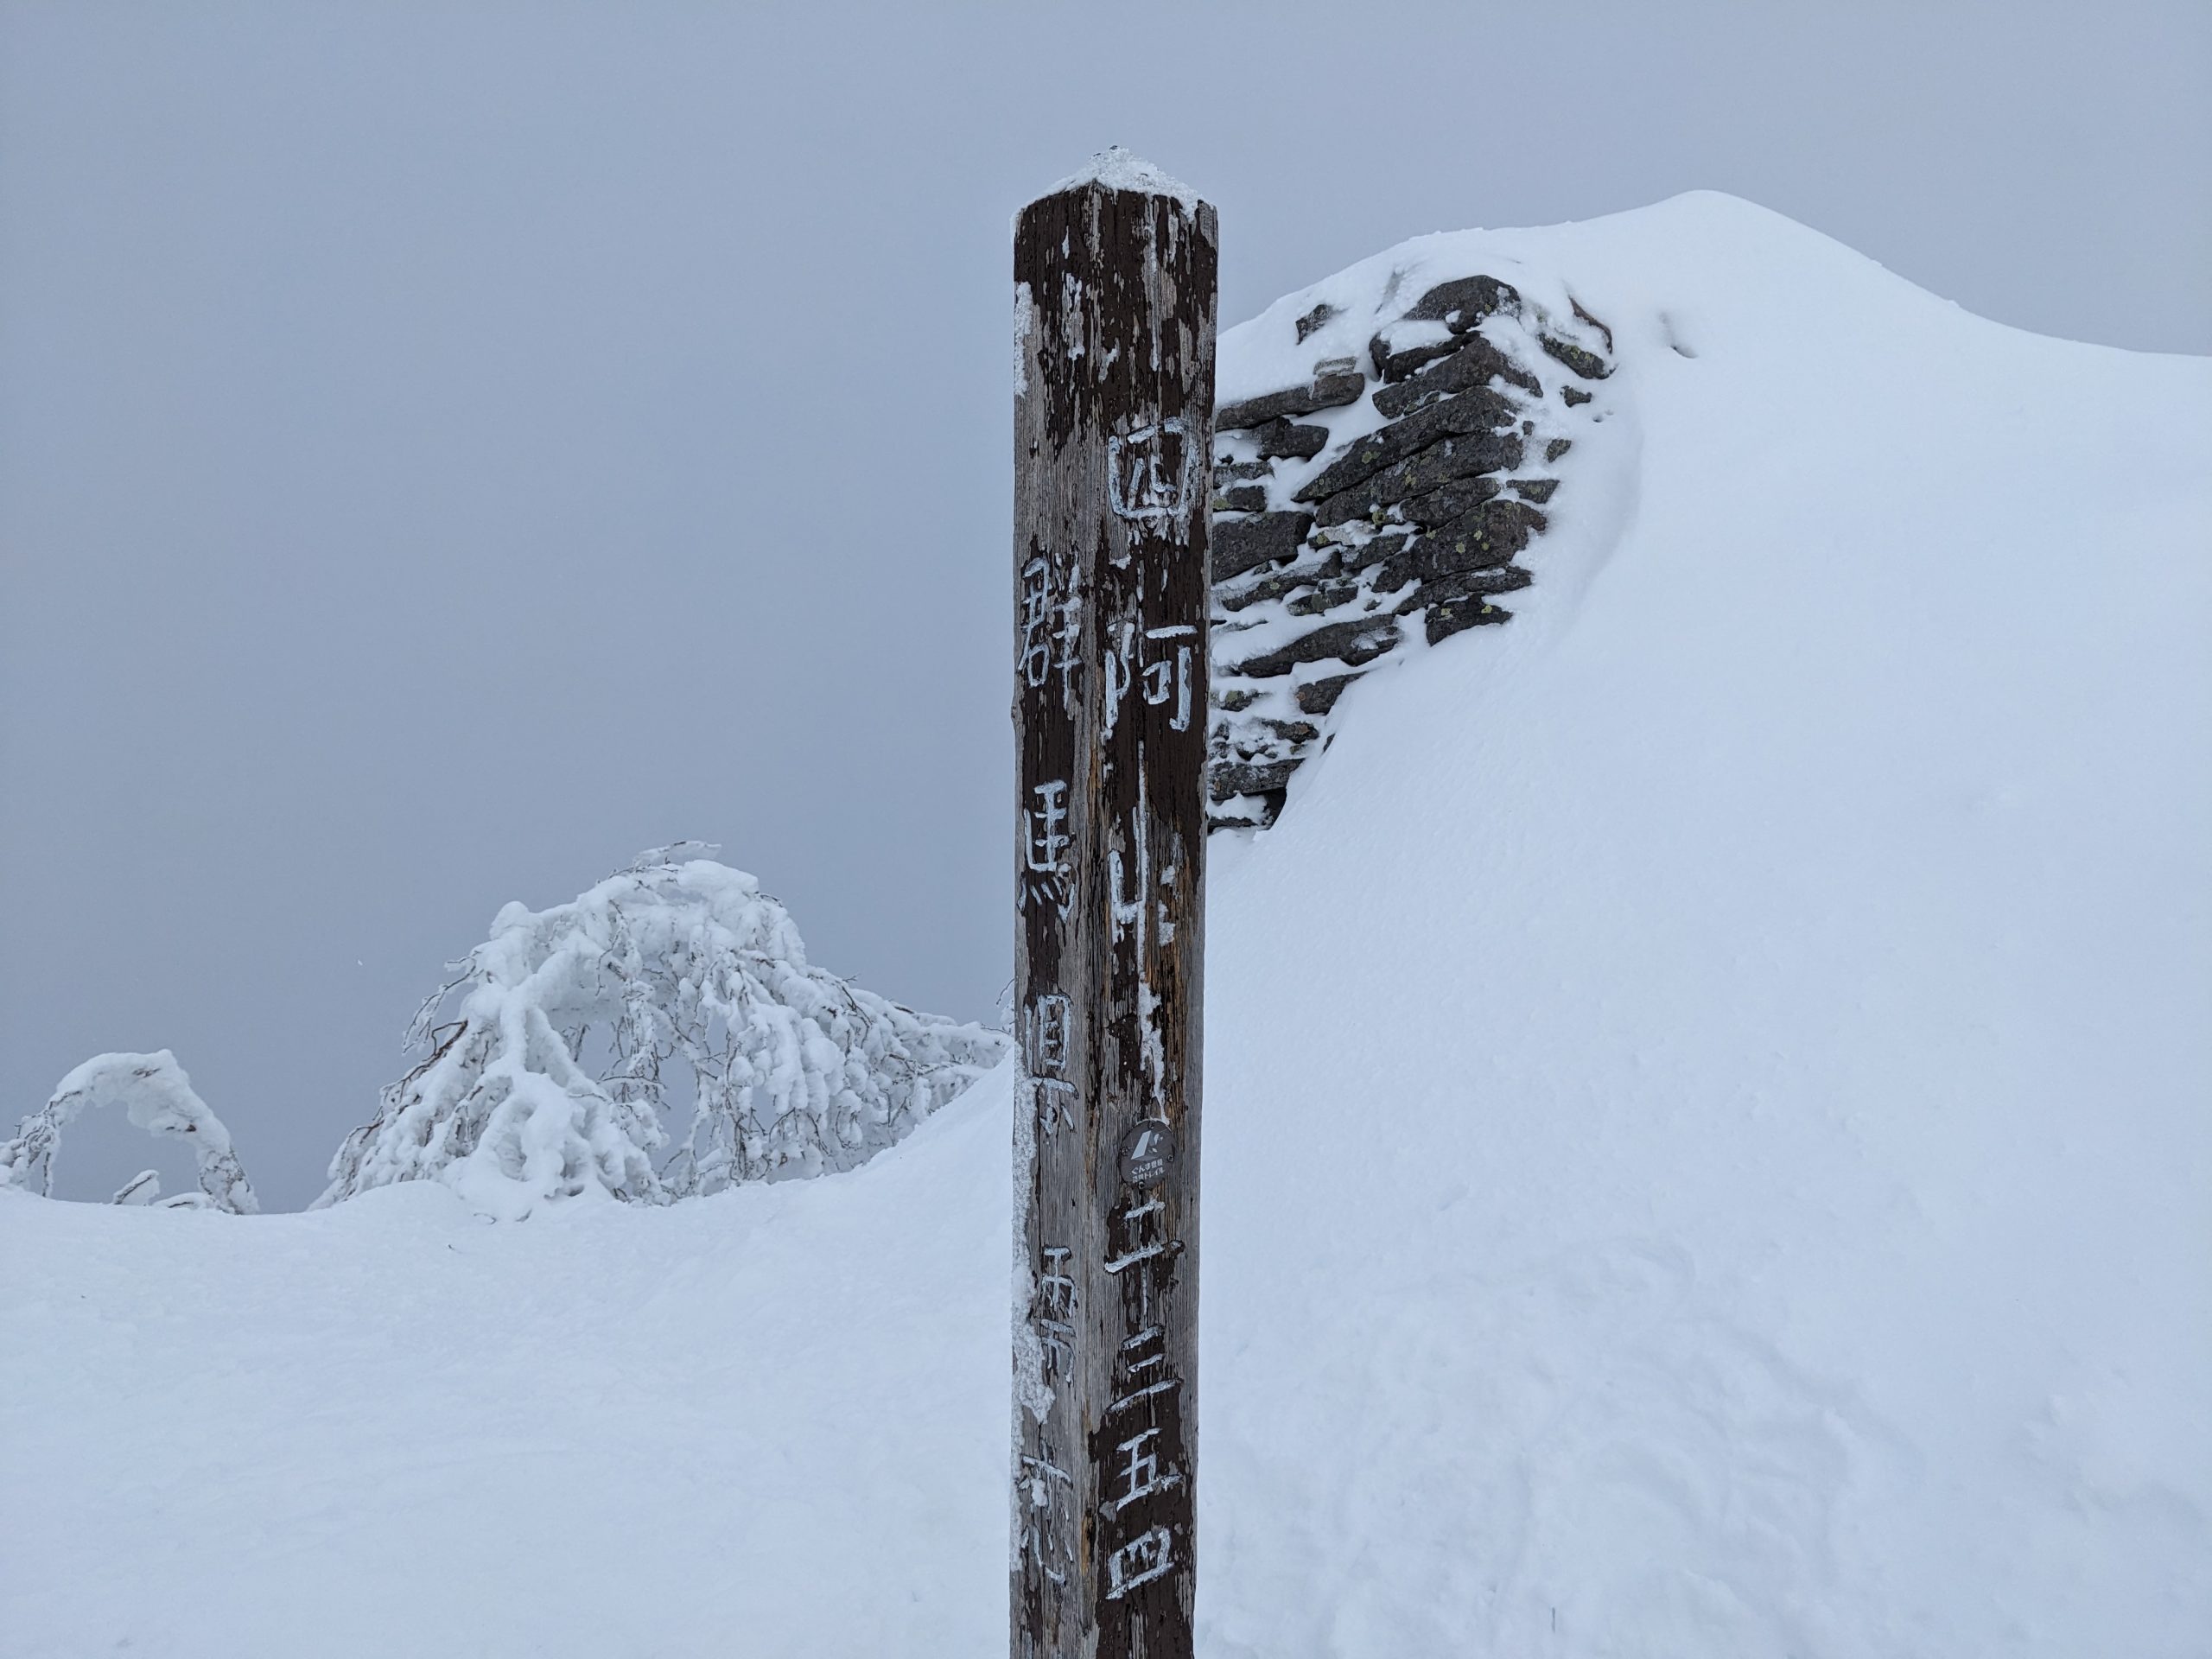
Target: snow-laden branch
x,y
677,959
158,1096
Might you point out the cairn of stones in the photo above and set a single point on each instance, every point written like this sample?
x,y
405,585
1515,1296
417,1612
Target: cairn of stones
x,y
1370,502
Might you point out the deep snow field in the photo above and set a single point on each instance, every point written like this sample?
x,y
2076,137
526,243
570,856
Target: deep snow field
x,y
1707,1144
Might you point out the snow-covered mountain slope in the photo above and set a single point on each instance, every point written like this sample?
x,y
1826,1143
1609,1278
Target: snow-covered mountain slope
x,y
1706,1150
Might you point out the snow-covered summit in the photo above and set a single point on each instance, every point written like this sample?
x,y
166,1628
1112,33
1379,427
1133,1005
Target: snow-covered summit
x,y
1704,1145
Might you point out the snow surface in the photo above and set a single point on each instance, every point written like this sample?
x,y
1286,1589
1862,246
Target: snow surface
x,y
1706,1145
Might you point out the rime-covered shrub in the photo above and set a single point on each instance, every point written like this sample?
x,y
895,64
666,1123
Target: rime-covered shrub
x,y
676,969
159,1098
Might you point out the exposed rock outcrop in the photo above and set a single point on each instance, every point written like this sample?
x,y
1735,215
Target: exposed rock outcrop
x,y
1375,500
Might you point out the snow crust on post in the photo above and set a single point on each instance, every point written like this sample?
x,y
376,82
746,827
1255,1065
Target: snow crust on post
x,y
1117,168
154,1090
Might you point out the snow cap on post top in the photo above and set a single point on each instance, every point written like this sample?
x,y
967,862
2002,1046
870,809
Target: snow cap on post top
x,y
1115,168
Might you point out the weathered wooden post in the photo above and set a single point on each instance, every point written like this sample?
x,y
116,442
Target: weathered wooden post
x,y
1113,427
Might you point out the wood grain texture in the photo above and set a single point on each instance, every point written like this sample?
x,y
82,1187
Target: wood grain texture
x,y
1113,439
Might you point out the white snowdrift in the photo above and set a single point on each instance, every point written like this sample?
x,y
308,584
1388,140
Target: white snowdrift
x,y
1704,1154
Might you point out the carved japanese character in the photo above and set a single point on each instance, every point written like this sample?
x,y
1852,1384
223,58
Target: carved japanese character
x,y
1150,471
1051,626
1045,1035
1140,1474
1045,878
1147,1556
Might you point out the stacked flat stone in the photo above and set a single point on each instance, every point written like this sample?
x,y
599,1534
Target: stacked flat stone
x,y
1344,518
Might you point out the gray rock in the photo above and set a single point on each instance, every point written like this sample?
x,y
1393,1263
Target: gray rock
x,y
1241,497
1226,473
1319,696
1242,544
1357,642
1293,731
1327,392
1358,556
1469,364
1453,500
1505,579
1270,808
1487,537
1273,585
1456,616
1315,319
1395,572
1477,410
1588,365
1281,438
1325,597
1225,779
1465,456
1557,447
1235,697
1534,489
1395,362
1573,395
1463,304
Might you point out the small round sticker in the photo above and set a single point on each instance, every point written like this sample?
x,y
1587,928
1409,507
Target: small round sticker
x,y
1146,1151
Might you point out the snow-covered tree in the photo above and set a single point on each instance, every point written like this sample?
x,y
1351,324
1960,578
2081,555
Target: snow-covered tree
x,y
677,959
159,1098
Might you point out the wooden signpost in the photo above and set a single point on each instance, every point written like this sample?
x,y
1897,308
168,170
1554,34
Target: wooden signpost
x,y
1115,286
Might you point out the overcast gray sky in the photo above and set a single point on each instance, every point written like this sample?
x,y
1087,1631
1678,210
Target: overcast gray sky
x,y
446,448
